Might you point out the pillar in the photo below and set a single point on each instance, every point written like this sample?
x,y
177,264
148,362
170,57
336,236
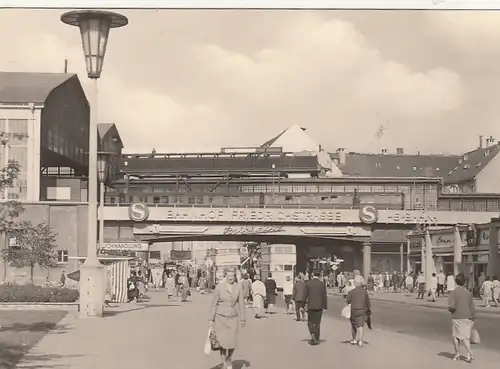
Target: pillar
x,y
493,262
457,251
401,259
429,260
367,260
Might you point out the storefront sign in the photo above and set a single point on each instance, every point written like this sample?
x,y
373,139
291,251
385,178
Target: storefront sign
x,y
484,237
180,254
443,240
138,212
125,246
415,244
252,230
368,214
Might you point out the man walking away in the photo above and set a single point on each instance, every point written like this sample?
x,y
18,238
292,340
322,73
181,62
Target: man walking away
x,y
463,312
316,299
246,287
299,296
441,279
360,308
287,294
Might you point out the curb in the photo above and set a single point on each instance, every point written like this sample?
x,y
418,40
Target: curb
x,y
40,306
480,310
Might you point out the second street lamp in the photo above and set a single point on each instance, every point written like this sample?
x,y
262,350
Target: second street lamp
x,y
94,28
103,164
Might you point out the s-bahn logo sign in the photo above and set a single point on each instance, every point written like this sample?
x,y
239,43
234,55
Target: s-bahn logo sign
x,y
138,212
368,214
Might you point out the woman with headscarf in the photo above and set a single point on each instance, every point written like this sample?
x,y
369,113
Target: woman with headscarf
x,y
360,308
227,314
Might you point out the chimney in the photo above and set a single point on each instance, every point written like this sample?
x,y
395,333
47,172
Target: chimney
x,y
320,148
65,66
400,151
341,153
384,151
481,142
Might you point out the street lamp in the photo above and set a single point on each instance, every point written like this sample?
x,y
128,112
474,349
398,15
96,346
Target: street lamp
x,y
103,162
94,29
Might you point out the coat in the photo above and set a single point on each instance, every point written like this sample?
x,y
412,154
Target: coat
x,y
299,291
316,296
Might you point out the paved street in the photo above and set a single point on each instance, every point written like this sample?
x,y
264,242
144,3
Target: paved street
x,y
422,322
159,334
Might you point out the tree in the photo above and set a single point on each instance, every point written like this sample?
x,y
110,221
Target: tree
x,y
35,245
9,210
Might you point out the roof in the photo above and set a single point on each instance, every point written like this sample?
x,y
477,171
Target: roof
x,y
109,128
470,164
389,165
20,87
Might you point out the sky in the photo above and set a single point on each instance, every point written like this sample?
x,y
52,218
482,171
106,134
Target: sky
x,y
198,80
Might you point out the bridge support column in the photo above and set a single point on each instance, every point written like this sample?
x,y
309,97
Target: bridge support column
x,y
493,268
367,260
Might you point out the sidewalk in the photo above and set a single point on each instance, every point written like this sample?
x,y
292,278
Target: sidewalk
x,y
402,298
160,334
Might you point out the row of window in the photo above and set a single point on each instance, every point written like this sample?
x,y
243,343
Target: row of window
x,y
62,146
18,153
278,187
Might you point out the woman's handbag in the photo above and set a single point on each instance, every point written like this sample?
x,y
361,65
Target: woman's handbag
x,y
474,337
208,346
346,312
214,342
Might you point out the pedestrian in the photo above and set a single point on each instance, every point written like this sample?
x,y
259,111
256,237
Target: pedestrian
x,y
63,279
287,294
271,293
316,299
183,283
495,286
371,282
170,286
246,287
340,281
487,291
299,297
450,283
227,314
441,280
409,284
433,287
421,285
132,291
360,307
463,312
141,282
202,283
258,295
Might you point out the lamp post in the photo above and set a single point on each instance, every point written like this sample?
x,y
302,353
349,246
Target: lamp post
x,y
94,28
103,159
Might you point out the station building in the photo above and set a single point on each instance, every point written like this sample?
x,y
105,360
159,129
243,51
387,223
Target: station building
x,y
44,121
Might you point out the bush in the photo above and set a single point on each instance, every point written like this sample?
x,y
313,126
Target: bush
x,y
28,293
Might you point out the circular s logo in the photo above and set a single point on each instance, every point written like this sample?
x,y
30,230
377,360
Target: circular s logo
x,y
368,214
138,212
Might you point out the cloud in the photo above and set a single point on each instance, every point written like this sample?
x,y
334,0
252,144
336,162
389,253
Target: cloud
x,y
202,85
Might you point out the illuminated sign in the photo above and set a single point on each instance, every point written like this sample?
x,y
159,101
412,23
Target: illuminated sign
x,y
138,212
125,246
368,214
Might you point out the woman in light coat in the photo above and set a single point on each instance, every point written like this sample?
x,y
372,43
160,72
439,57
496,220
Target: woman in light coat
x,y
227,314
258,295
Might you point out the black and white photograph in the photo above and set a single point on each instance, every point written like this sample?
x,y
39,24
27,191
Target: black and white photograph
x,y
229,188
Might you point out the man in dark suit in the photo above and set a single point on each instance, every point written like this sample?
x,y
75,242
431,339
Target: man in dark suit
x,y
316,299
299,296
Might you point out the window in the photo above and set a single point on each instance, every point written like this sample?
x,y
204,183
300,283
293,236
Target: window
x,y
288,267
62,256
13,241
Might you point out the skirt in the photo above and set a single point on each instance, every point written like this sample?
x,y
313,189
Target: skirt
x,y
271,298
461,329
358,318
226,331
258,301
